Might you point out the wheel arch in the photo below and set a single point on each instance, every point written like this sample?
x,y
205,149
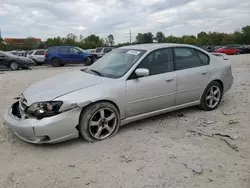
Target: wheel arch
x,y
94,102
214,80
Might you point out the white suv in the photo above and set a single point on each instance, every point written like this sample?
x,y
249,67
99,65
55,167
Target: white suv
x,y
38,56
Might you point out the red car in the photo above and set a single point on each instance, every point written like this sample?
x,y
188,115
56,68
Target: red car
x,y
228,51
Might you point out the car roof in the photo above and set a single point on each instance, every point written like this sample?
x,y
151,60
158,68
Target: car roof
x,y
154,46
62,46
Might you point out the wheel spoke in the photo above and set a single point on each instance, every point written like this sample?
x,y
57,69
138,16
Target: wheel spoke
x,y
211,102
211,92
109,129
112,116
216,91
97,135
208,97
102,114
94,123
216,99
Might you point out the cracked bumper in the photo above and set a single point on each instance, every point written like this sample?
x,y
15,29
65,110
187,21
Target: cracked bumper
x,y
54,129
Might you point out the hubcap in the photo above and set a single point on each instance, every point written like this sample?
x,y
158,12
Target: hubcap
x,y
213,96
13,66
103,123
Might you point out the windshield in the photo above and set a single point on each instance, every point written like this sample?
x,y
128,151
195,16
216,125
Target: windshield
x,y
81,49
117,63
8,54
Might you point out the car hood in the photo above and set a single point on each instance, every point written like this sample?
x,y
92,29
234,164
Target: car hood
x,y
54,87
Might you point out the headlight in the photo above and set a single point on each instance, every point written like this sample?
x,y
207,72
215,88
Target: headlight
x,y
45,109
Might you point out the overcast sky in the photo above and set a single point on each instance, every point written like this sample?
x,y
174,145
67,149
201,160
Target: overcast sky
x,y
50,18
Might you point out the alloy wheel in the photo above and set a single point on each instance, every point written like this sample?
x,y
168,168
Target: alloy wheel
x,y
213,96
14,66
103,123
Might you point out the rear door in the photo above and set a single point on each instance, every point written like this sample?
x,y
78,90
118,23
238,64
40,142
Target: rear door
x,y
63,54
192,71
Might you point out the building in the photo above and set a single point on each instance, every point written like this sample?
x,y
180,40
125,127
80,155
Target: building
x,y
23,42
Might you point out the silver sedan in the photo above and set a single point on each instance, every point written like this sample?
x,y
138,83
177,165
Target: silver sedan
x,y
128,84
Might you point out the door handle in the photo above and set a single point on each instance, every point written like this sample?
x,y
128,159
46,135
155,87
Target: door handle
x,y
204,73
170,80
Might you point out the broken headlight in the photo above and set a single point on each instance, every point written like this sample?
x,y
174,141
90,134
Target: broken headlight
x,y
45,109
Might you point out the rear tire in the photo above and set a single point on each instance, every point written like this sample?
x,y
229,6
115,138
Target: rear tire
x,y
92,120
14,65
55,62
211,97
87,61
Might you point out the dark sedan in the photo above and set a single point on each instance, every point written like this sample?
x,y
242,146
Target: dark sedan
x,y
14,62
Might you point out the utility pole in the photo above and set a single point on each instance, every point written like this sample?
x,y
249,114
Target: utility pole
x,y
130,36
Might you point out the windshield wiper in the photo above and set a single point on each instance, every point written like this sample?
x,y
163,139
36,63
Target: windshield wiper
x,y
95,71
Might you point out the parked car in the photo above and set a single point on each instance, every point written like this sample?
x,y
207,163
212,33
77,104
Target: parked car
x,y
14,62
229,51
101,51
241,48
38,56
61,55
130,83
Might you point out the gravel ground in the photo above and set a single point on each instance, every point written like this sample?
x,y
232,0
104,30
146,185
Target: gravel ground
x,y
187,148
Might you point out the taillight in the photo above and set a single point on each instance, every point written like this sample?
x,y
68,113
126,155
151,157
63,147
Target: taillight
x,y
46,54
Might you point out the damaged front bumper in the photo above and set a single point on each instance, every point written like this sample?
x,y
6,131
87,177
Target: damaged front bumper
x,y
53,129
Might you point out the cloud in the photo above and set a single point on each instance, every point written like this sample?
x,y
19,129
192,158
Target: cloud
x,y
46,18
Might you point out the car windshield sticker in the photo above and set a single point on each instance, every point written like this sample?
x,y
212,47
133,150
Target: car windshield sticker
x,y
133,52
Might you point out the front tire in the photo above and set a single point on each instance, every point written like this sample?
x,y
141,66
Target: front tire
x,y
99,121
211,97
55,62
14,65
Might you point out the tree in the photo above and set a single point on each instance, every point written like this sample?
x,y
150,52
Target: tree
x,y
246,34
144,38
160,37
111,40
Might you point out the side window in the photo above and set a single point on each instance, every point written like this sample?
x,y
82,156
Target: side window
x,y
186,58
203,57
39,52
31,52
64,50
107,50
158,62
74,51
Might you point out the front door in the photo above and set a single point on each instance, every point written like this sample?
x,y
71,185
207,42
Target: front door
x,y
192,73
156,91
76,55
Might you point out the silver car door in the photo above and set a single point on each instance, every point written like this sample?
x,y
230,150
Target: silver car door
x,y
192,71
156,91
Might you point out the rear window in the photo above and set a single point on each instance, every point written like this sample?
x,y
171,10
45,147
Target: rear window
x,y
64,50
98,50
203,57
51,50
39,52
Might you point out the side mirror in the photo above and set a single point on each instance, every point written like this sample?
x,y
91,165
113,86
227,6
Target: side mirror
x,y
142,72
79,52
